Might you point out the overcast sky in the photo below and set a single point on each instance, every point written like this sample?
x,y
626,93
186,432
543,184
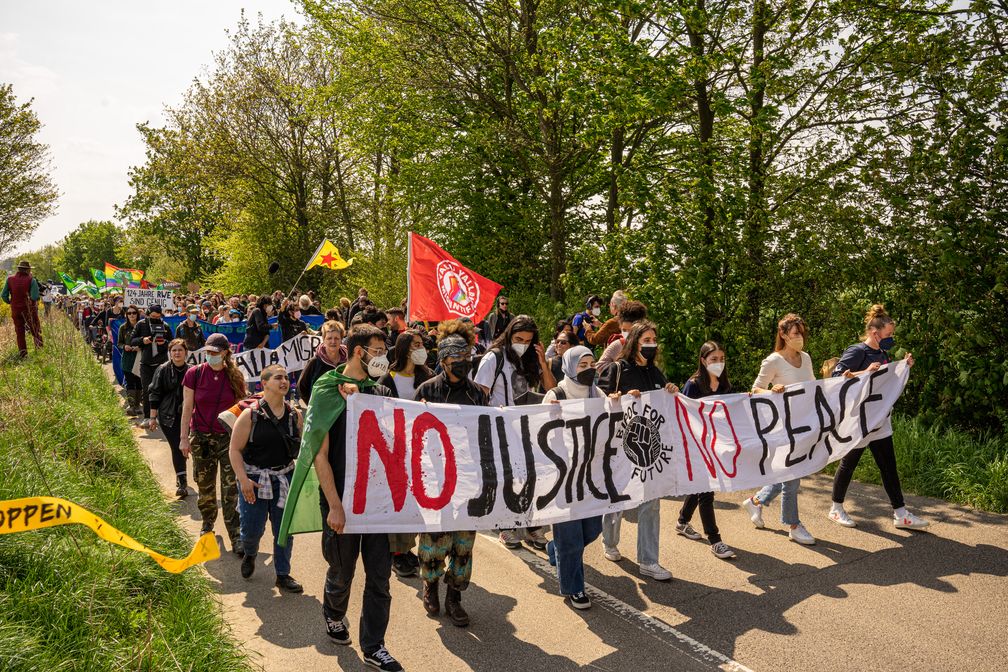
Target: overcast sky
x,y
95,70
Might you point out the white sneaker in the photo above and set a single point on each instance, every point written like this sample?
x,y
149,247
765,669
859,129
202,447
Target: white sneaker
x,y
840,517
686,530
910,522
801,535
536,538
755,512
510,539
656,572
612,554
722,550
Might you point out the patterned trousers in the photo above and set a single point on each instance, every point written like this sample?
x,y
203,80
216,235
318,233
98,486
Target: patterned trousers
x,y
456,547
210,452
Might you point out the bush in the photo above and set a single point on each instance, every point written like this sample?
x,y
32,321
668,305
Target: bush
x,y
68,600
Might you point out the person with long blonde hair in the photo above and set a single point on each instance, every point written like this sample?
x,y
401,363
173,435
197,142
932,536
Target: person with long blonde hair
x,y
208,389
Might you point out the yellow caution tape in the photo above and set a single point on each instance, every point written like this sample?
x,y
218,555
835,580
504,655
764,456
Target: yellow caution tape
x,y
35,513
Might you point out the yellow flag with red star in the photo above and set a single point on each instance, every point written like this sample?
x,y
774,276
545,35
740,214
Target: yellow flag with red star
x,y
329,257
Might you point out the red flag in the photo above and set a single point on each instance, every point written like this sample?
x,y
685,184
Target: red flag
x,y
440,288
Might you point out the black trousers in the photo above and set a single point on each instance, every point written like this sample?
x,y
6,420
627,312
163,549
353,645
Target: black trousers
x,y
146,376
174,437
705,501
132,382
885,457
341,552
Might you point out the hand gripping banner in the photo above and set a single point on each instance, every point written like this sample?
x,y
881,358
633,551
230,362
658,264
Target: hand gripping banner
x,y
35,513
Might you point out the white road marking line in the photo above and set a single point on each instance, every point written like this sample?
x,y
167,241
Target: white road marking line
x,y
698,651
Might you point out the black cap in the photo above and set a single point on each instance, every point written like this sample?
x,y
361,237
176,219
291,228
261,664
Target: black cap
x,y
156,308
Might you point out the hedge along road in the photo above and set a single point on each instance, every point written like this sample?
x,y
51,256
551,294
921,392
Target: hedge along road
x,y
872,597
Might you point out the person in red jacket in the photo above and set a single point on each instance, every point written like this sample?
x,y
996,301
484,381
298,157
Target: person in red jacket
x,y
21,291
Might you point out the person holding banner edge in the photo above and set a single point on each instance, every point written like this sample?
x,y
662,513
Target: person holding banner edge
x,y
452,386
787,364
868,356
367,360
633,372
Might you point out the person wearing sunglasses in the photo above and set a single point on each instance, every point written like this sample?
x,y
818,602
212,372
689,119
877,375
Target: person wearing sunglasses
x,y
129,353
498,320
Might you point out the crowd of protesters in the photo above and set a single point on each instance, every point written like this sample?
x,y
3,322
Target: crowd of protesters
x,y
501,361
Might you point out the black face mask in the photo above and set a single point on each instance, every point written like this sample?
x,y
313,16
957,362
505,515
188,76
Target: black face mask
x,y
649,351
460,369
586,377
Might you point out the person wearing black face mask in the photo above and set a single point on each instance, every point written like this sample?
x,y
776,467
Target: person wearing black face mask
x,y
453,386
868,356
151,335
566,550
632,373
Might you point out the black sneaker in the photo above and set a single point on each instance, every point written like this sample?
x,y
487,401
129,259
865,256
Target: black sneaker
x,y
402,566
413,559
288,585
337,631
382,660
580,601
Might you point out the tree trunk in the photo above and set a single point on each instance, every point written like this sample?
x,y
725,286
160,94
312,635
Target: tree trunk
x,y
754,233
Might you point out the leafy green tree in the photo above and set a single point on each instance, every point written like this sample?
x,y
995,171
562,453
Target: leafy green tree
x,y
90,245
27,192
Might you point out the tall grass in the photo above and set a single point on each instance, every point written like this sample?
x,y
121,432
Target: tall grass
x,y
68,600
946,463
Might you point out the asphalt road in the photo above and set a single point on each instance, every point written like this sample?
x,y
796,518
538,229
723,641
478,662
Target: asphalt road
x,y
872,597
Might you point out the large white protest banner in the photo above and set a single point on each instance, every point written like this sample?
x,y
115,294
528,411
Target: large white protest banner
x,y
414,467
145,298
292,354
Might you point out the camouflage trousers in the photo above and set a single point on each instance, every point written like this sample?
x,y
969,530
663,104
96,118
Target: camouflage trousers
x,y
456,547
209,452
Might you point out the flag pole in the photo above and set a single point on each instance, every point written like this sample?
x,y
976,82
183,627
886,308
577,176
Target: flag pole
x,y
310,260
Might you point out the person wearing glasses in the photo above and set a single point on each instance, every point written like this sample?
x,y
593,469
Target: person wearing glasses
x,y
129,352
498,320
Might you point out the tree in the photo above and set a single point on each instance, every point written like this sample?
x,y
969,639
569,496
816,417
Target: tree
x,y
90,245
27,192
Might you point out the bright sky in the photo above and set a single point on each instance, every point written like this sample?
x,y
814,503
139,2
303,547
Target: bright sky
x,y
95,70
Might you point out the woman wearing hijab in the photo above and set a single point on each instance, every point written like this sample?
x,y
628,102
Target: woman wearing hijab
x,y
566,550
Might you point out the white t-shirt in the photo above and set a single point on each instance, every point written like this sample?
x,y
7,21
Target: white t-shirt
x,y
508,382
775,370
404,386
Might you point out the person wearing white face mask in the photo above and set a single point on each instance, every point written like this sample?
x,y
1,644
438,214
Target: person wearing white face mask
x,y
789,363
587,323
510,372
207,390
710,379
566,551
406,374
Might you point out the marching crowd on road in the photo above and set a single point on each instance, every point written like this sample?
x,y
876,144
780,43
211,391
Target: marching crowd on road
x,y
505,360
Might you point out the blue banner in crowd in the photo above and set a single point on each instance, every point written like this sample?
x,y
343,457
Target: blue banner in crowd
x,y
235,332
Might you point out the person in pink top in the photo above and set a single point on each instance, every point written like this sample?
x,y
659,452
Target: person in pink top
x,y
208,389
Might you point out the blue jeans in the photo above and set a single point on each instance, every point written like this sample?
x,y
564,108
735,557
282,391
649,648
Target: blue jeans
x,y
566,551
789,499
648,527
253,525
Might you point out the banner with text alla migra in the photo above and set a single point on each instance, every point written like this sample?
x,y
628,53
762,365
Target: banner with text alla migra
x,y
440,288
414,467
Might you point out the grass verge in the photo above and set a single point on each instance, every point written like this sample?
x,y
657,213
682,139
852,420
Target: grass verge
x,y
68,600
945,463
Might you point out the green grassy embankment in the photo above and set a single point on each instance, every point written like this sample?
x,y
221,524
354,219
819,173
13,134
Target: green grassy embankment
x,y
68,600
946,463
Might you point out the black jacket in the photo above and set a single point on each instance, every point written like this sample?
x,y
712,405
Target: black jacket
x,y
290,327
145,328
438,390
256,329
622,376
165,393
193,336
